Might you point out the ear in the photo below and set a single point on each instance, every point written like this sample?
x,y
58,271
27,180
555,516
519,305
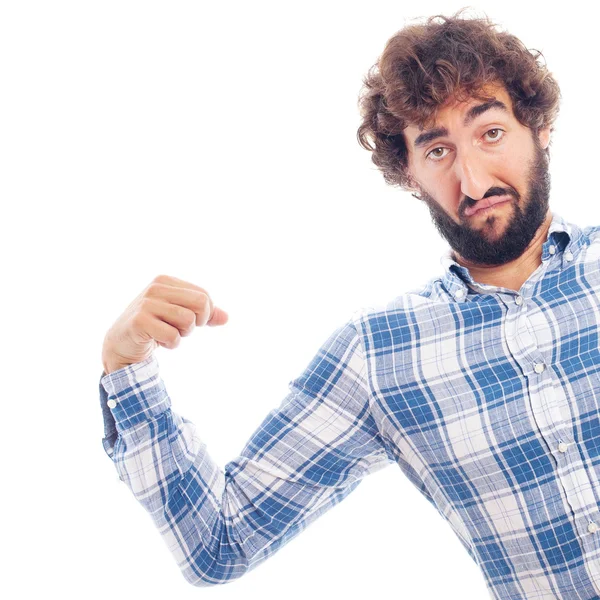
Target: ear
x,y
544,137
413,187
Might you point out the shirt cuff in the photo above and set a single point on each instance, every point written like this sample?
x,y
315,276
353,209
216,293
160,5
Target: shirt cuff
x,y
130,396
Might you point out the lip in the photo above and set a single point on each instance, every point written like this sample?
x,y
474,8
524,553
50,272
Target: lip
x,y
486,203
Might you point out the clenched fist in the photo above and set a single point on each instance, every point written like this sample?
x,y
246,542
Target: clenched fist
x,y
167,310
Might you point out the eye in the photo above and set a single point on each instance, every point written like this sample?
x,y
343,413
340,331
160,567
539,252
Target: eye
x,y
498,136
439,157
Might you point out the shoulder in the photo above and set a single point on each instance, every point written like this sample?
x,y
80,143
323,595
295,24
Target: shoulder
x,y
592,233
398,312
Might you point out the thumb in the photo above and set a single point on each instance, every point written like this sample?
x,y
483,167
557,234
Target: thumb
x,y
217,317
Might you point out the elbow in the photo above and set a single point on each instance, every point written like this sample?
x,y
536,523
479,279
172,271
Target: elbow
x,y
219,557
210,571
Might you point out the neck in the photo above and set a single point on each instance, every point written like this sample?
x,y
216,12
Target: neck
x,y
514,274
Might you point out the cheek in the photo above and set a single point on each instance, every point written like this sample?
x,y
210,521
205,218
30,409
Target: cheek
x,y
513,170
447,201
517,160
444,192
514,162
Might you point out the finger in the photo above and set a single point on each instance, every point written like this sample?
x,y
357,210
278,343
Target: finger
x,y
178,283
165,334
173,314
198,302
219,317
216,315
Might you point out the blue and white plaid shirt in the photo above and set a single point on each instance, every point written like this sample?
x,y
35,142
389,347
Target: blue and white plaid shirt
x,y
487,399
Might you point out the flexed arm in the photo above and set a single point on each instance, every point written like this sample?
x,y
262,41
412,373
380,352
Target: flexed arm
x,y
306,456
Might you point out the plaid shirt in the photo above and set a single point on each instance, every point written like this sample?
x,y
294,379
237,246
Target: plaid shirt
x,y
487,399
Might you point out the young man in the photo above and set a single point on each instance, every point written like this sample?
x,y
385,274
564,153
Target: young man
x,y
483,386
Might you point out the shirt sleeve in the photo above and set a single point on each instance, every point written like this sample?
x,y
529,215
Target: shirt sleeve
x,y
305,457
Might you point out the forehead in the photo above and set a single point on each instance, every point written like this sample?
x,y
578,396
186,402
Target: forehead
x,y
462,113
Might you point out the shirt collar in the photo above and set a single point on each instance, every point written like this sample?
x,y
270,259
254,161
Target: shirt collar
x,y
564,240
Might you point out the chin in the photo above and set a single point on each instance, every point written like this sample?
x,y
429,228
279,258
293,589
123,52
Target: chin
x,y
494,224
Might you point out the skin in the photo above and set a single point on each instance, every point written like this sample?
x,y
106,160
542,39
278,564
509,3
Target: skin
x,y
502,246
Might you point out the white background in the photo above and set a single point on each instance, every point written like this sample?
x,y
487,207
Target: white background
x,y
216,142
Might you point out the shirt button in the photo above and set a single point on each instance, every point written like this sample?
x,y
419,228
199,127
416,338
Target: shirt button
x,y
562,447
519,300
568,256
539,367
592,527
111,404
459,293
552,249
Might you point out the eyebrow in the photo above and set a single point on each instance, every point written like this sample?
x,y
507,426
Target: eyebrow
x,y
473,113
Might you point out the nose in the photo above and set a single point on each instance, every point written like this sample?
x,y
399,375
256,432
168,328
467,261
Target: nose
x,y
473,174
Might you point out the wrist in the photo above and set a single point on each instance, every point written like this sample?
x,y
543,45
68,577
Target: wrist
x,y
110,365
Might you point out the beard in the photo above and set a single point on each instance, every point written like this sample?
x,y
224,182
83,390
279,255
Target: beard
x,y
482,246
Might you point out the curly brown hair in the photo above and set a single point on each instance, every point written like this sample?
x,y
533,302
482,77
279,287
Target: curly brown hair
x,y
424,66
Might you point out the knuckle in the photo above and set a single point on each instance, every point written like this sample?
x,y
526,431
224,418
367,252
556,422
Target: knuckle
x,y
190,319
181,313
204,303
137,322
188,322
144,306
154,289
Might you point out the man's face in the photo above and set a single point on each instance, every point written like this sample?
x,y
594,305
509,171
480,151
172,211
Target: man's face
x,y
486,155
